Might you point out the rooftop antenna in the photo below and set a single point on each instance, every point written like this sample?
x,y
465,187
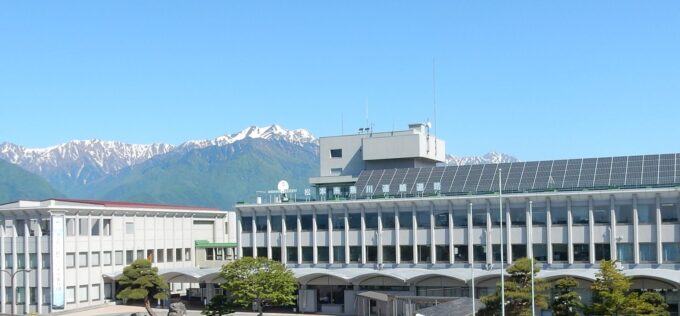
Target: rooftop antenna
x,y
366,106
342,124
434,105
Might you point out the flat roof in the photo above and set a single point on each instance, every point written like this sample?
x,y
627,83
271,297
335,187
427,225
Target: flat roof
x,y
61,202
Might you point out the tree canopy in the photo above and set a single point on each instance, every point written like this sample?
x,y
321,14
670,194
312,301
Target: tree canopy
x,y
259,280
517,291
566,301
141,281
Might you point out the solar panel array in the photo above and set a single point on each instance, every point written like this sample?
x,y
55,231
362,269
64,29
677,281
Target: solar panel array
x,y
561,175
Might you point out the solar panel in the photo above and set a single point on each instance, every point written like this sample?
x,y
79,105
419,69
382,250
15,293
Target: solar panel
x,y
423,176
459,180
486,180
559,169
634,170
386,179
528,176
650,169
587,175
603,172
513,176
542,175
447,178
572,174
435,177
618,174
677,166
411,180
666,168
473,178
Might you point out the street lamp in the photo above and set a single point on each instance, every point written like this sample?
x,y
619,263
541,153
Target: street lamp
x,y
14,292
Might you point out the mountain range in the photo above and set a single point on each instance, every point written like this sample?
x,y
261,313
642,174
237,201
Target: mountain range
x,y
213,172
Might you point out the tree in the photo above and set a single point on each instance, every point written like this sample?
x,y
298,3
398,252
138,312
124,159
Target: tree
x,y
567,302
141,281
517,291
612,295
259,280
219,305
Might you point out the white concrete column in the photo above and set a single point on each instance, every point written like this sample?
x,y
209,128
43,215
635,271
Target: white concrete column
x,y
451,248
507,225
315,254
38,270
471,243
433,244
284,238
346,219
657,229
636,239
253,237
331,248
591,231
379,236
612,228
269,234
3,275
548,231
530,229
363,235
397,246
299,236
27,260
489,235
239,231
570,234
414,232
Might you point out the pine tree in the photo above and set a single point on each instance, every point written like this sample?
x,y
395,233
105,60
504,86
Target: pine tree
x,y
567,302
517,291
141,281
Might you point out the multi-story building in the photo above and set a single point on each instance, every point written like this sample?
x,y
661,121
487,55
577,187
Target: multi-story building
x,y
412,230
64,254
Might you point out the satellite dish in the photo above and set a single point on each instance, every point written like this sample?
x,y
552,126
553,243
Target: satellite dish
x,y
282,186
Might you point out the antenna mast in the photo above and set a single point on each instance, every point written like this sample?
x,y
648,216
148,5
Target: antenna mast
x,y
434,105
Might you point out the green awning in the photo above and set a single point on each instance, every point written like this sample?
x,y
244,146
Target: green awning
x,y
207,244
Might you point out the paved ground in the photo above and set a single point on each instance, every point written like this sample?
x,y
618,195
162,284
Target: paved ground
x,y
125,310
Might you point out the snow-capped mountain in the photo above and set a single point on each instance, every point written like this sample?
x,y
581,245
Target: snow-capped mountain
x,y
273,132
491,157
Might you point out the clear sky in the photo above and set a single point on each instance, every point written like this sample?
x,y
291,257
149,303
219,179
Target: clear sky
x,y
537,80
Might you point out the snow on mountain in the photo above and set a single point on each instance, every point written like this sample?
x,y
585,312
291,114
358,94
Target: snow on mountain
x,y
299,137
491,157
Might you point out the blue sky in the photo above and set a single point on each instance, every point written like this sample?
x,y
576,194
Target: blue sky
x,y
537,80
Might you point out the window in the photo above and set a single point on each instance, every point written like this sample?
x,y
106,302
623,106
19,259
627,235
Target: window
x,y
647,252
322,254
108,291
671,252
129,257
496,253
519,251
479,217
371,220
178,254
262,252
70,260
670,213
336,153
354,253
406,253
70,294
160,255
291,222
338,254
581,253
371,254
107,227
460,218
94,229
45,260
306,222
82,293
424,253
646,213
70,227
32,295
291,254
558,215
602,252
187,254
209,254
33,260
275,223
540,252
518,215
95,259
460,253
560,253
261,223
442,253
354,220
624,252
8,295
387,220
441,220
496,217
247,252
602,214
276,253
129,228
46,295
119,257
539,216
171,258
21,261
247,224
45,227
21,295
423,219
322,222
107,258
95,292
479,252
307,254
336,171
9,262
579,215
406,220
389,254
624,213
338,221
82,259
226,226
84,227
20,226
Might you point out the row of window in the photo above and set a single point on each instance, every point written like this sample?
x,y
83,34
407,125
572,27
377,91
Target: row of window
x,y
32,261
84,293
24,227
85,227
581,253
96,259
32,297
579,213
218,254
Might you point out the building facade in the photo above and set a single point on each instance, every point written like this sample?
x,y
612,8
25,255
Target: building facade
x,y
67,254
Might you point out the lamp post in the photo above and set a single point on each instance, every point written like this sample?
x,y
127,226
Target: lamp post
x,y
11,280
500,211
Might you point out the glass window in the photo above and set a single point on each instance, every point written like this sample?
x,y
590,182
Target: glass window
x,y
45,227
107,258
95,292
558,214
247,224
276,223
336,153
178,254
423,219
8,295
21,261
107,227
624,252
94,228
307,254
70,260
406,220
646,213
442,252
140,254
406,253
82,293
389,254
354,253
581,253
70,294
306,222
247,252
371,220
129,228
108,291
338,254
602,214
119,257
291,254
322,254
670,213
496,253
70,227
46,295
95,259
560,253
371,254
496,217
460,253
33,260
441,219
671,252
21,294
187,254
338,221
354,220
424,253
129,256
322,222
647,252
624,213
602,252
33,295
460,218
83,227
518,215
45,260
387,220
276,253
291,222
479,217
579,215
539,215
479,253
540,252
169,254
261,223
519,251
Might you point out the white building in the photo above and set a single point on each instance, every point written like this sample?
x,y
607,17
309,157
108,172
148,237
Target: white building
x,y
67,254
425,231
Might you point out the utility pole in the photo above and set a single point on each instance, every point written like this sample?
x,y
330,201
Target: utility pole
x,y
500,211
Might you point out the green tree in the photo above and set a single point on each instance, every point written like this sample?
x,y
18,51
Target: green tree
x,y
219,305
612,295
567,302
259,280
141,281
517,291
